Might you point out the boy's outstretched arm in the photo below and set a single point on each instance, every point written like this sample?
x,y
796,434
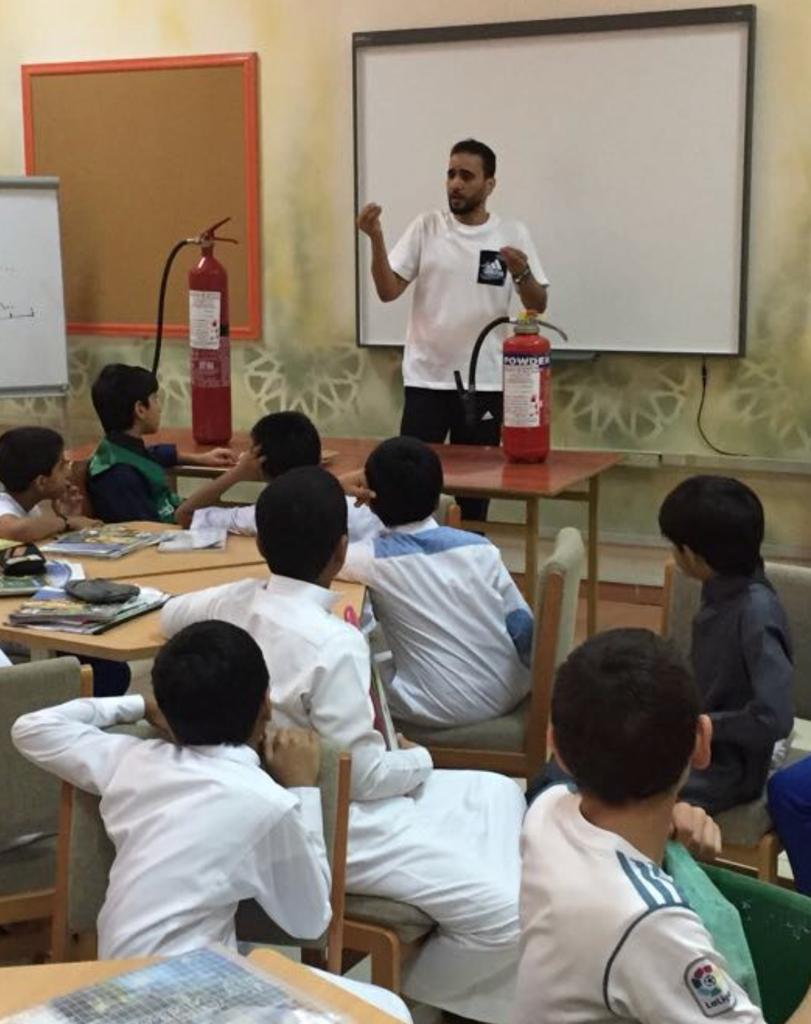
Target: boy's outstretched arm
x,y
249,467
68,739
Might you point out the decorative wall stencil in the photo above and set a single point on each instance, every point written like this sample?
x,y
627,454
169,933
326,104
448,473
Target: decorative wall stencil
x,y
622,401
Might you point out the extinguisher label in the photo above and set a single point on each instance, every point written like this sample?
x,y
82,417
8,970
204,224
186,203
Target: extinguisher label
x,y
204,319
523,398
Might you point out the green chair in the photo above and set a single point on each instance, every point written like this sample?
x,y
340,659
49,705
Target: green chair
x,y
777,924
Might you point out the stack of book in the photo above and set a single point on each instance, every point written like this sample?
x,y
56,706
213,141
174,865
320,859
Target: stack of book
x,y
110,541
54,609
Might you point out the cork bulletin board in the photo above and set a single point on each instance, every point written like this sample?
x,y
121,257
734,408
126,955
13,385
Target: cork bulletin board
x,y
148,152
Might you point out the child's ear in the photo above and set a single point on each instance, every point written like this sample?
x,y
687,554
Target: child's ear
x,y
339,555
702,750
552,748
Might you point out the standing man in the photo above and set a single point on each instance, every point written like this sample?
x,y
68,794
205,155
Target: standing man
x,y
467,264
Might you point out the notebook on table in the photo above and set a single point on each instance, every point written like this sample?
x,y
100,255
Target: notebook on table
x,y
206,986
103,541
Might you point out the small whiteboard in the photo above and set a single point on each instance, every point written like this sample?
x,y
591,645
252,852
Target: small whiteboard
x,y
623,143
33,344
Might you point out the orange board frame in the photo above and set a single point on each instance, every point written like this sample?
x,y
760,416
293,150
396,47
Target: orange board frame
x,y
248,62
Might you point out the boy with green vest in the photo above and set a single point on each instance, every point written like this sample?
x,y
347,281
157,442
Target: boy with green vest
x,y
126,480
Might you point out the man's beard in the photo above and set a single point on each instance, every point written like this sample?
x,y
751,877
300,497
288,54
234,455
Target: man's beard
x,y
464,206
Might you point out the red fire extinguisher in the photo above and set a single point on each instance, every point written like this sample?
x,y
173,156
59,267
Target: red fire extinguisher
x,y
209,343
527,388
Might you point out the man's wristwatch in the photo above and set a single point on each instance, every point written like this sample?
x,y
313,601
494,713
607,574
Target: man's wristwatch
x,y
65,523
520,278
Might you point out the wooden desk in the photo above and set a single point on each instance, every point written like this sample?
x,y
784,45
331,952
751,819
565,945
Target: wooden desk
x,y
141,637
25,987
238,551
476,472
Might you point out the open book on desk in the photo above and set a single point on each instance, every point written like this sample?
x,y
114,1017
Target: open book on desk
x,y
56,574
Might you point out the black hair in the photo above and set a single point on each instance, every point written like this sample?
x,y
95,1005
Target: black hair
x,y
116,390
210,681
476,148
300,519
719,519
406,477
624,712
286,440
26,453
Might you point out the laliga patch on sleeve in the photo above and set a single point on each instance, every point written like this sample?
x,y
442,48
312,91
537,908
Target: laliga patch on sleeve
x,y
710,987
492,268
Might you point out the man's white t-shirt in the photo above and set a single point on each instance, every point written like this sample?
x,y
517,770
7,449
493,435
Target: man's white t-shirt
x,y
460,285
606,935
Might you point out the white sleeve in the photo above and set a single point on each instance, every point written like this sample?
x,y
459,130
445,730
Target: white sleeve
x,y
341,710
240,519
358,566
68,739
363,524
199,606
528,246
665,968
291,876
404,258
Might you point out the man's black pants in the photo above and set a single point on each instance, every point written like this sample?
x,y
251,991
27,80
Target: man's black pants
x,y
432,415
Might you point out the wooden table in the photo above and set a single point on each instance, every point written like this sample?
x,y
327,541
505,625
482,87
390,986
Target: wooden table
x,y
25,987
141,637
476,472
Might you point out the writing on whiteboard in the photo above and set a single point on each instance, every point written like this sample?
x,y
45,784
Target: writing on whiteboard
x,y
8,311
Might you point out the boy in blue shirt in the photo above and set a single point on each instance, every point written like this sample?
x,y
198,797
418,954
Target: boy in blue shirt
x,y
459,630
126,480
741,648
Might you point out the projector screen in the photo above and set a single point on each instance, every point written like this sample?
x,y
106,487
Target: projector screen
x,y
623,143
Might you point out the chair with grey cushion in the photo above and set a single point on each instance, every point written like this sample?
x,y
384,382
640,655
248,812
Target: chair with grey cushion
x,y
749,839
515,743
86,856
29,803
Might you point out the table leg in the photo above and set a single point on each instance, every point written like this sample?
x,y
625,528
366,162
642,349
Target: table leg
x,y
593,568
531,551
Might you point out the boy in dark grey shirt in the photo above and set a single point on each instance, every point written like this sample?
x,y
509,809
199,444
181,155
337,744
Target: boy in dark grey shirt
x,y
741,649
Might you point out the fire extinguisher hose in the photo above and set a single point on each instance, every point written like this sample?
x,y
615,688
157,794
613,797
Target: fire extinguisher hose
x,y
468,395
162,299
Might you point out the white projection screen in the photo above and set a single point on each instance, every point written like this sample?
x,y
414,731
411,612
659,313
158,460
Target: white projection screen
x,y
623,142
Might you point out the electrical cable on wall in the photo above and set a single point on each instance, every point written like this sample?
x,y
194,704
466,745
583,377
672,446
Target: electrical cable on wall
x,y
699,424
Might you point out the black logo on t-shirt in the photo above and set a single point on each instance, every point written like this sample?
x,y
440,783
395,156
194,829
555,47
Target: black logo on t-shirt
x,y
492,268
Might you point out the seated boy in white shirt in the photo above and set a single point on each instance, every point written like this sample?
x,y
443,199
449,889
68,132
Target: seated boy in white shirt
x,y
197,823
38,500
279,441
606,935
459,630
446,842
